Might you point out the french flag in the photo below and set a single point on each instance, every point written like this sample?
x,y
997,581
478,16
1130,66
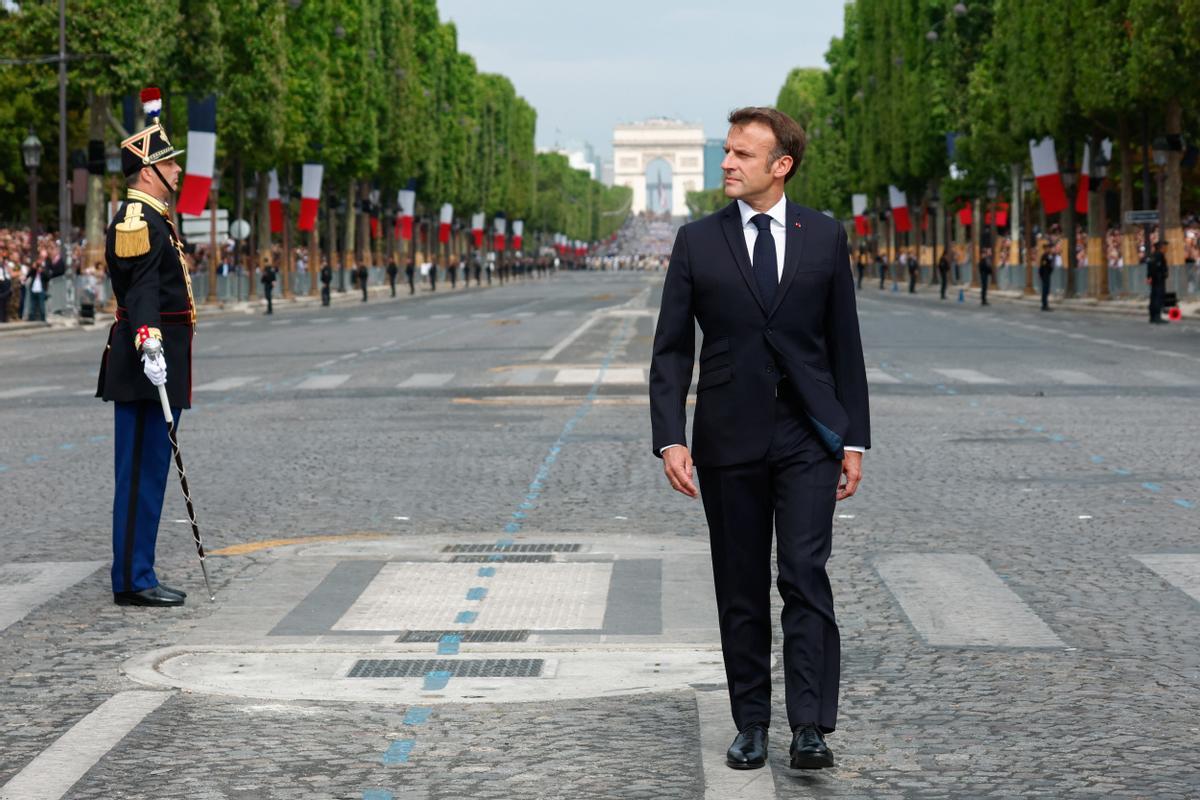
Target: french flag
x,y
274,202
518,231
1081,195
965,214
899,204
310,195
201,155
859,203
444,219
407,200
477,229
500,226
1045,171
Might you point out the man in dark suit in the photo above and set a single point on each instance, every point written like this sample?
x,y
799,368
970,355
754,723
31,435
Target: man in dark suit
x,y
781,415
363,273
269,275
943,269
326,279
1045,271
985,275
1156,275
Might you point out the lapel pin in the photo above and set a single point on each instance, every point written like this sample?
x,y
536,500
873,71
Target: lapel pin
x,y
797,224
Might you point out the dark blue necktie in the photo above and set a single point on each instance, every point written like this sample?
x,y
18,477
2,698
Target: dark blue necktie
x,y
766,267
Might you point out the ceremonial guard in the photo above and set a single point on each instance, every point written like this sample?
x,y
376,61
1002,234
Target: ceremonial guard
x,y
362,280
985,275
153,290
1156,276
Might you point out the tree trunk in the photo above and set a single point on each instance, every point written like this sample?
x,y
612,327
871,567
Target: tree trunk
x,y
348,238
94,216
1173,189
331,243
1097,247
1126,147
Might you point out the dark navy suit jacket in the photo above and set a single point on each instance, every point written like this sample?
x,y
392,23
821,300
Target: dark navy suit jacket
x,y
809,338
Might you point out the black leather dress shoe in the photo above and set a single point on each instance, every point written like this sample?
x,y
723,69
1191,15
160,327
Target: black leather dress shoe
x,y
809,750
749,748
154,596
172,590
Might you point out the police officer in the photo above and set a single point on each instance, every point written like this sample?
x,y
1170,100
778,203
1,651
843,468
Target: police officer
x,y
410,272
153,290
269,275
943,269
1156,276
363,273
985,275
1045,271
326,279
914,270
392,272
863,260
882,265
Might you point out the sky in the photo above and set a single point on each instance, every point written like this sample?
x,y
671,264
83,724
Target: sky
x,y
587,66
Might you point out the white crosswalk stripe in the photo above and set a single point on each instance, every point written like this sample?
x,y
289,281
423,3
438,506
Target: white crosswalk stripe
x,y
322,382
1181,570
969,376
879,376
1071,377
26,391
29,584
520,377
226,384
1169,378
424,380
586,377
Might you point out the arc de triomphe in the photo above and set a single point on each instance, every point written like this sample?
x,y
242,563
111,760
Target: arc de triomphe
x,y
680,144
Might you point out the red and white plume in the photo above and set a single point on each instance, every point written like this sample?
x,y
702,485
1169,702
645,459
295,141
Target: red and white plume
x,y
151,103
274,203
1045,171
899,204
310,195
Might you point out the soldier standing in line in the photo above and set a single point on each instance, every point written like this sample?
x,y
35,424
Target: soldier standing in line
x,y
326,279
269,274
985,275
153,289
392,272
943,269
1045,271
451,269
362,280
882,265
914,269
410,272
1156,276
862,261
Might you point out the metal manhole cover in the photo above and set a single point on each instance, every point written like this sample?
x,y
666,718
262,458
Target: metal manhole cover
x,y
511,548
513,559
419,668
465,636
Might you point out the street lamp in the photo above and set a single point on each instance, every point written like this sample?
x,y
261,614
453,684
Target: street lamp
x,y
31,154
112,164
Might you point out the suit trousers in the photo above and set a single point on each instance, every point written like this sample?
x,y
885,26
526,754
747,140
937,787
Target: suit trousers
x,y
792,491
143,464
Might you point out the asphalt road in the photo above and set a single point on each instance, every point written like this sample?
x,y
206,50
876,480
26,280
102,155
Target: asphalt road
x,y
448,566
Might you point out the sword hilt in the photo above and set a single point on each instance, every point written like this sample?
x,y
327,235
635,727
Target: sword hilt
x,y
153,350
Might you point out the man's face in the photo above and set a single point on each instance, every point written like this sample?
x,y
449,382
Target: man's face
x,y
747,164
170,171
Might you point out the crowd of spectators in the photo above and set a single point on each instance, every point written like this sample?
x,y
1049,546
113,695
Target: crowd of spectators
x,y
643,243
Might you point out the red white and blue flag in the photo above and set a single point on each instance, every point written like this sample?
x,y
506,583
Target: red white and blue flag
x,y
899,204
477,229
274,202
201,155
518,231
500,228
445,218
407,200
859,204
310,195
1045,171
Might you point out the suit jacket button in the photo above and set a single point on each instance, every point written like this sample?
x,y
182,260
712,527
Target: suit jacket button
x,y
769,331
770,368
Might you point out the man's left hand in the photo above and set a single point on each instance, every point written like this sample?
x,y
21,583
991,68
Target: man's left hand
x,y
852,471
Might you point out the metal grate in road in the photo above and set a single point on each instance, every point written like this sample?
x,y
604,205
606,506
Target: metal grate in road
x,y
513,559
473,668
511,548
466,636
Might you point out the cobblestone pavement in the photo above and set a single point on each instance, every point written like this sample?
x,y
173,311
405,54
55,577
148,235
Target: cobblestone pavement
x,y
1017,582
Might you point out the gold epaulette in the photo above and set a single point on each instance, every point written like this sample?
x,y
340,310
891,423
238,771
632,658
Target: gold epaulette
x,y
133,234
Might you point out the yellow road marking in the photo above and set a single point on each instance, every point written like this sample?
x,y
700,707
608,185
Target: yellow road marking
x,y
253,547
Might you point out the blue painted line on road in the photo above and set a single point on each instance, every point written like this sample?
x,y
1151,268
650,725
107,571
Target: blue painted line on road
x,y
525,506
399,751
33,459
951,391
495,557
466,617
377,794
503,543
1120,471
519,515
67,446
3,467
1039,428
1154,487
1019,420
97,439
448,645
1097,459
1179,501
417,715
974,404
486,572
436,680
1058,437
476,593
512,527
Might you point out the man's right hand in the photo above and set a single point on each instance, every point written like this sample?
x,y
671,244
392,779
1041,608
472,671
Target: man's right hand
x,y
155,367
677,464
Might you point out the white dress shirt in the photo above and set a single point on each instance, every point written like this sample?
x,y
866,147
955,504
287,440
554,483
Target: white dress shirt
x,y
778,215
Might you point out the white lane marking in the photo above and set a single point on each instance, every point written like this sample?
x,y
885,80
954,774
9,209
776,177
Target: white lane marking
x,y
521,377
225,384
956,600
388,343
716,732
1169,378
426,379
320,320
57,768
398,317
566,341
25,391
29,584
282,322
1181,570
325,364
359,319
347,356
322,382
879,376
564,313
1071,377
241,324
586,377
370,350
482,316
969,376
85,393
525,314
440,316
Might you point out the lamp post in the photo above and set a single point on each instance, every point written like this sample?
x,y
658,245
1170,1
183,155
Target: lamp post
x,y
1027,193
112,165
993,191
31,154
1099,214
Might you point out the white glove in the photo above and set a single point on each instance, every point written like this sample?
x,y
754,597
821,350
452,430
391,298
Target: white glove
x,y
155,368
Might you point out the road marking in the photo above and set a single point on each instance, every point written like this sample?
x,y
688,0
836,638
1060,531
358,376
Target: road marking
x,y
426,380
482,316
566,341
225,384
969,376
25,391
27,585
254,547
320,320
520,377
57,768
1071,377
716,732
359,319
1181,570
525,314
956,600
1169,378
879,376
322,382
441,316
586,377
282,322
398,317
241,324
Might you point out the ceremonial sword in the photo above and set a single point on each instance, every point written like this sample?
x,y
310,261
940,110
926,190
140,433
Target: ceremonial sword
x,y
153,350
